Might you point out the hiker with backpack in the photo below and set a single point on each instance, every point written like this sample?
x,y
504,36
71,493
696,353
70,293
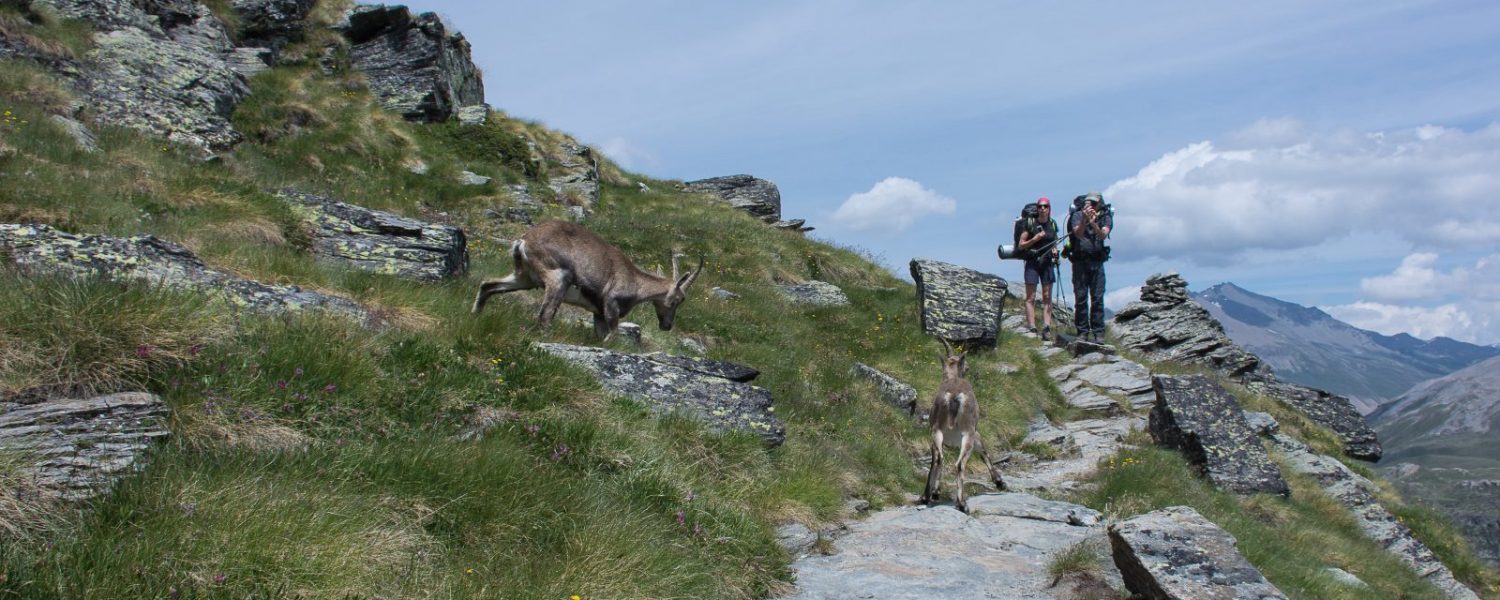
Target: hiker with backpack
x,y
1089,223
1036,242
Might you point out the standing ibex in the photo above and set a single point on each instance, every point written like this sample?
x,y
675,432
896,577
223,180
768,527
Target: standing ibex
x,y
955,423
576,266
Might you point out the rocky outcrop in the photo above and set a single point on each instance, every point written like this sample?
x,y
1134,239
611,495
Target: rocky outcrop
x,y
573,174
756,196
1104,383
1359,496
1166,325
1333,411
721,404
413,63
159,67
271,24
43,250
1203,421
1174,553
815,293
378,241
893,391
958,304
77,448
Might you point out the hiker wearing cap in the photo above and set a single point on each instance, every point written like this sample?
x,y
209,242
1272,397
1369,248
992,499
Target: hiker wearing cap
x,y
1089,223
1039,245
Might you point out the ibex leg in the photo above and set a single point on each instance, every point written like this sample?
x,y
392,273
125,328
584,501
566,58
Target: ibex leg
x,y
934,472
979,446
509,283
557,288
965,445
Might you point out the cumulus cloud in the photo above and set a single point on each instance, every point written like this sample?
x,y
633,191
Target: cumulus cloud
x,y
892,205
1277,185
1462,303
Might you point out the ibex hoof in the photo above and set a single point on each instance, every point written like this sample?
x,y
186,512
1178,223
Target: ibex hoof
x,y
963,508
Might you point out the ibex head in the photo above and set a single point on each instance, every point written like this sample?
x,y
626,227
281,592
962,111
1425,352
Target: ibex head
x,y
666,306
954,367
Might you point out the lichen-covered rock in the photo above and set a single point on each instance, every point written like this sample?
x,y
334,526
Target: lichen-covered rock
x,y
756,196
1165,325
894,391
1333,411
413,63
707,366
815,293
160,67
148,259
721,404
378,241
271,23
77,448
1359,496
958,304
473,114
1176,554
1203,421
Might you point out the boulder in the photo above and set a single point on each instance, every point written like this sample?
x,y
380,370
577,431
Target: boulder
x,y
77,448
147,259
1203,421
473,114
893,391
815,293
958,304
1165,325
472,178
721,404
1174,553
159,67
1358,494
413,63
380,242
756,196
706,366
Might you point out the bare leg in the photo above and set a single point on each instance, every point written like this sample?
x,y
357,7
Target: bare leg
x,y
509,283
1030,310
930,494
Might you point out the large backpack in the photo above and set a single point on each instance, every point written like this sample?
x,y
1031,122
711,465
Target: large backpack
x,y
1026,221
1076,211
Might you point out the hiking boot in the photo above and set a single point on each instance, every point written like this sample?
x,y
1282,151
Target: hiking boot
x,y
1047,333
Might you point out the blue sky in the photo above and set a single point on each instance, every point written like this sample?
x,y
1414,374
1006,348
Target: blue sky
x,y
1344,155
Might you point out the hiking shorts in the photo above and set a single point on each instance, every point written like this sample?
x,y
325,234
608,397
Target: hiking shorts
x,y
1038,272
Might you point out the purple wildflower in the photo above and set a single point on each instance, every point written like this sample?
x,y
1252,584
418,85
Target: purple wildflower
x,y
297,372
143,350
280,384
330,388
681,518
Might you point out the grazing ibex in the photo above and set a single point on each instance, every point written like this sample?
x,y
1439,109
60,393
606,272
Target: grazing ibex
x,y
576,266
955,423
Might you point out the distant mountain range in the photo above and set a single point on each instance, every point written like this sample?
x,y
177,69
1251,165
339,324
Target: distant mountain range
x,y
1308,346
1442,445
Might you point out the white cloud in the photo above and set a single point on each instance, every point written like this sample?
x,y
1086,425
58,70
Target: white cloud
x,y
892,205
1469,298
1118,299
628,155
1276,185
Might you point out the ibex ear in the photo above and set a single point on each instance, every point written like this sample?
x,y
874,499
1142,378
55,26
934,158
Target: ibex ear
x,y
687,280
963,363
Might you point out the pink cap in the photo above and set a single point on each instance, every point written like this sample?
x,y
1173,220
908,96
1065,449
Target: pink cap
x,y
1043,201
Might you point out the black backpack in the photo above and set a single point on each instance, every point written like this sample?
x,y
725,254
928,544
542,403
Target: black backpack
x,y
1025,222
1077,209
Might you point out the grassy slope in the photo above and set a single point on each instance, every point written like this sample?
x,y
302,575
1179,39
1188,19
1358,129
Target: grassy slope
x,y
315,458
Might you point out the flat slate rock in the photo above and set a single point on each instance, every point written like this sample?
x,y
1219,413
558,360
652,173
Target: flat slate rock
x,y
1027,506
378,241
721,404
1176,554
77,448
706,366
939,553
894,391
148,259
1203,421
815,293
958,304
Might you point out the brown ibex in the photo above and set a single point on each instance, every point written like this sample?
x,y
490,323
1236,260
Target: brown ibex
x,y
955,424
576,266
